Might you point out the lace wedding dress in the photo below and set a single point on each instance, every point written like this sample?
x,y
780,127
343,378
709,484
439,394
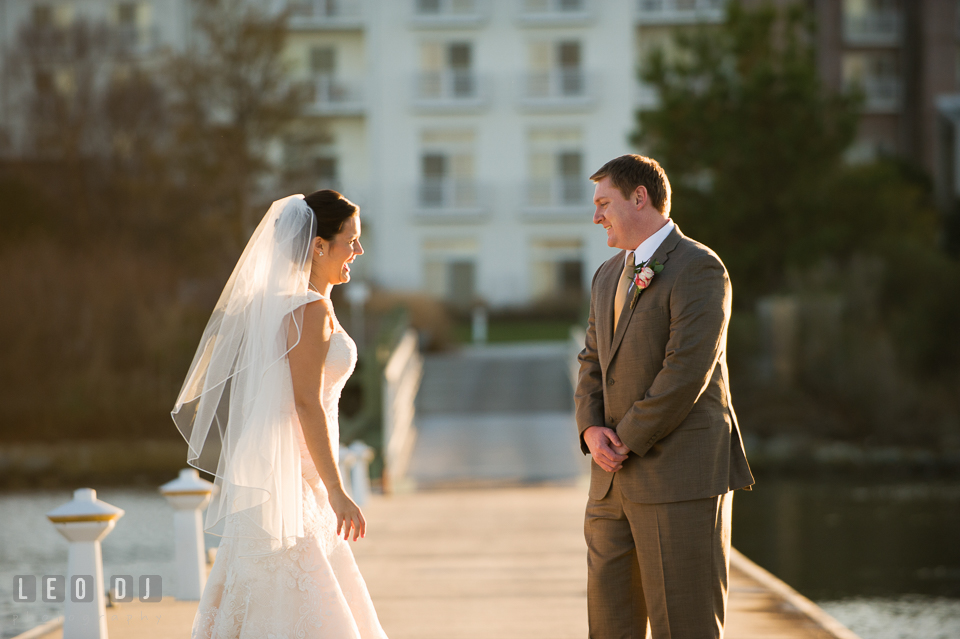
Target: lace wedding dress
x,y
310,591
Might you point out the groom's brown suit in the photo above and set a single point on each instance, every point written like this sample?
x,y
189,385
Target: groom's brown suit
x,y
658,530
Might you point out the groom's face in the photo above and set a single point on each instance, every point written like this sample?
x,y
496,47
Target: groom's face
x,y
617,214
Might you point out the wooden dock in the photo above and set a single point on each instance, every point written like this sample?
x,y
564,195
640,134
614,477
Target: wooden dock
x,y
495,563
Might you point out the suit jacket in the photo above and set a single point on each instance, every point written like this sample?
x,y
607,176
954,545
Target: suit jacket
x,y
661,380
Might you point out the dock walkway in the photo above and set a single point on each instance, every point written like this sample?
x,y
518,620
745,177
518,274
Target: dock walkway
x,y
496,564
507,560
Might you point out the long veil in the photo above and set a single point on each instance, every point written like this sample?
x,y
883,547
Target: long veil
x,y
236,407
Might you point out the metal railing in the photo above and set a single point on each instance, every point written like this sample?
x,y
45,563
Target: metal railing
x,y
331,13
680,11
448,194
558,193
335,95
442,10
401,381
450,89
882,94
136,40
875,27
558,84
546,12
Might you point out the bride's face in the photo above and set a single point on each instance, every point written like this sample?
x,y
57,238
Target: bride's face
x,y
340,252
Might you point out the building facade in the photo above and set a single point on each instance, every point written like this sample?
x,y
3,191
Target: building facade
x,y
466,129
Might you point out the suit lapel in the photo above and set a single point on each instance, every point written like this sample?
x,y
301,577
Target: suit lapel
x,y
660,255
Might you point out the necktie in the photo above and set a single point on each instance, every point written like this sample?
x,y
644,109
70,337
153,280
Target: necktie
x,y
623,287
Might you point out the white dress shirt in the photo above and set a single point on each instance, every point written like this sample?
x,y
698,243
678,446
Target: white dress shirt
x,y
650,245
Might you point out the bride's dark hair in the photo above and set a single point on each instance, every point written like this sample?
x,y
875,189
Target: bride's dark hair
x,y
331,211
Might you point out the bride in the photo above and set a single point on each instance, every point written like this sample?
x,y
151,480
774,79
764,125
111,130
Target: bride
x,y
259,410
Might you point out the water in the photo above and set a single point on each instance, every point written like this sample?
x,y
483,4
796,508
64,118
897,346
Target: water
x,y
141,544
881,557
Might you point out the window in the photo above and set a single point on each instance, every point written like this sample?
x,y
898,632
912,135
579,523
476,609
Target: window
x,y
450,270
434,170
447,71
127,14
557,271
556,169
570,169
325,171
568,59
447,170
42,15
459,56
323,60
428,6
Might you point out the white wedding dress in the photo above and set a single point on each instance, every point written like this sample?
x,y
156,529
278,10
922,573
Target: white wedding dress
x,y
310,591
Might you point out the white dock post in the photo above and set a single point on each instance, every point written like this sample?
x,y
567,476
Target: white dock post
x,y
360,473
347,459
189,494
84,522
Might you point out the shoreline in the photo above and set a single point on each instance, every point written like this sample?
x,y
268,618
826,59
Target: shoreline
x,y
26,465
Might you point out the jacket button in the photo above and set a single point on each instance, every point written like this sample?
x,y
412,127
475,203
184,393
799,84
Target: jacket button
x,y
610,382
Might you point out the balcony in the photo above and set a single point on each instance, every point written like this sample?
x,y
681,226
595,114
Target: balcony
x,y
667,12
882,94
451,91
557,90
334,96
448,200
132,40
449,14
875,28
325,14
558,198
555,13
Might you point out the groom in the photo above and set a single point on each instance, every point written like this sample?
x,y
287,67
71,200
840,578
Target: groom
x,y
654,412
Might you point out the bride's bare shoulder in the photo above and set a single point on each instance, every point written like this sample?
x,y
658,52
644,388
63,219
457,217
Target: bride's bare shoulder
x,y
318,319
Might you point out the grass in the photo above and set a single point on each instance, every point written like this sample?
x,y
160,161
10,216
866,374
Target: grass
x,y
516,330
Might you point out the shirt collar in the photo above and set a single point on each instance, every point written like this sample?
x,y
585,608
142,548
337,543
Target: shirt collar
x,y
650,245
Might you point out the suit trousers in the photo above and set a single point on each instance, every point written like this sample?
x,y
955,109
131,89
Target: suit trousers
x,y
657,570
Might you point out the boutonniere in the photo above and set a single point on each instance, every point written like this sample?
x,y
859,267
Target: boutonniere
x,y
642,275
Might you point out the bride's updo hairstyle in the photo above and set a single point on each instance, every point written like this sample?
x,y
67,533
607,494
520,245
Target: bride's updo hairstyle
x,y
331,211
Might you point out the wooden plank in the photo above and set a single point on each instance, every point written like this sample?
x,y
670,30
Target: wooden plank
x,y
504,563
512,563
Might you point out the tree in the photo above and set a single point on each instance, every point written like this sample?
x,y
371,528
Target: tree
x,y
232,98
754,146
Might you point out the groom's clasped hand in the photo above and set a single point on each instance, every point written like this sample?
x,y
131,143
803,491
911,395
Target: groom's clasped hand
x,y
606,448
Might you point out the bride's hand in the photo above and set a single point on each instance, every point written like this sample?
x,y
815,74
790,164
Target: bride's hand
x,y
348,515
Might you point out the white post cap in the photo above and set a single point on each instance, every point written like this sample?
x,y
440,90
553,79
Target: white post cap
x,y
188,483
85,507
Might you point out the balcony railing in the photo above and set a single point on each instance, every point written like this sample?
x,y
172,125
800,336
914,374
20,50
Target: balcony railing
x,y
570,196
442,14
555,12
557,89
882,94
335,96
441,199
135,40
873,28
450,90
680,11
325,14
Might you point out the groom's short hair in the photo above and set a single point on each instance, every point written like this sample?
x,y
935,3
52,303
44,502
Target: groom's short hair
x,y
627,172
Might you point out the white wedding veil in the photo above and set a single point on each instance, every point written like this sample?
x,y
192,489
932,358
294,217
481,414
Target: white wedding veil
x,y
236,407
